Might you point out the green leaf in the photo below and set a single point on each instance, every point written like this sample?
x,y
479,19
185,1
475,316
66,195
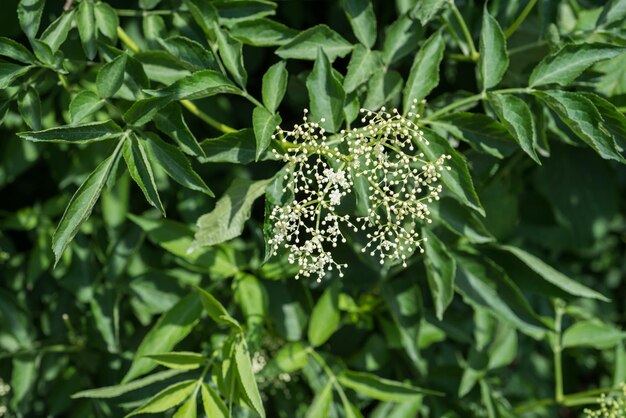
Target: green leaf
x,y
231,52
363,64
9,72
81,204
481,132
361,16
486,285
516,116
118,390
264,124
382,389
29,15
326,317
494,59
85,133
111,76
292,357
382,88
231,12
404,301
11,49
86,24
29,106
440,271
274,85
213,405
262,32
551,275
170,121
198,85
326,94
140,170
400,39
106,20
167,398
189,51
613,12
231,212
204,14
305,45
175,164
458,179
214,308
234,147
582,117
84,104
424,74
320,408
614,120
181,360
460,220
56,34
169,330
425,10
565,65
252,297
188,410
592,333
246,377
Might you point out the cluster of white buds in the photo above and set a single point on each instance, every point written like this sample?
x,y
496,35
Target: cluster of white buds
x,y
401,182
611,406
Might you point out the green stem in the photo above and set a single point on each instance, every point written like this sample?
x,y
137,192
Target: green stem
x,y
468,37
470,99
522,16
252,100
126,40
558,366
189,105
329,372
222,127
141,13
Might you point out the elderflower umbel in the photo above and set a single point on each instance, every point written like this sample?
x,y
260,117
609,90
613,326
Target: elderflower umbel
x,y
400,181
609,406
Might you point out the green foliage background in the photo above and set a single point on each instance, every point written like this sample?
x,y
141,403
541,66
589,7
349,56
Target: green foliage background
x,y
167,107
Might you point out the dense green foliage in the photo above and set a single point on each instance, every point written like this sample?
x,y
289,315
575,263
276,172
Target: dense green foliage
x,y
139,167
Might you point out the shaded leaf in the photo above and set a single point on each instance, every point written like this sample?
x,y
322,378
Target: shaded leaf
x,y
320,407
440,271
29,15
213,405
400,39
29,106
592,334
170,121
118,390
11,49
169,330
231,52
233,147
382,88
382,389
56,34
292,357
106,20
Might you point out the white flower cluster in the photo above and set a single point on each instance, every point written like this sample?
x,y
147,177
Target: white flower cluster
x,y
400,183
611,406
